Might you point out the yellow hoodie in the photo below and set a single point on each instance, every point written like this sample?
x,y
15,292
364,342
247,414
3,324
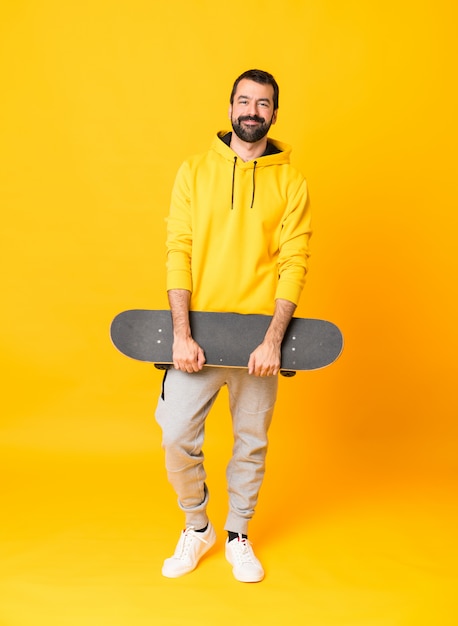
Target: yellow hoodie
x,y
238,231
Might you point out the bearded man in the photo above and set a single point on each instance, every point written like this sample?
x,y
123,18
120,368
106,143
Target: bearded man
x,y
238,233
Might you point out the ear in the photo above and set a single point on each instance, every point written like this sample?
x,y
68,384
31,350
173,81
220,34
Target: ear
x,y
229,113
274,116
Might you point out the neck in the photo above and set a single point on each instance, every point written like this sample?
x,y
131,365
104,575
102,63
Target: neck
x,y
248,151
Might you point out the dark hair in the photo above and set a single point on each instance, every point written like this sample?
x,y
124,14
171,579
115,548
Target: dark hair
x,y
258,76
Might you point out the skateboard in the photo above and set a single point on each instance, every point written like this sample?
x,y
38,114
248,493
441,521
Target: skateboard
x,y
226,338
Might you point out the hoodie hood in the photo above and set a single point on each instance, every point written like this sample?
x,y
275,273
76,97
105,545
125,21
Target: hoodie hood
x,y
281,156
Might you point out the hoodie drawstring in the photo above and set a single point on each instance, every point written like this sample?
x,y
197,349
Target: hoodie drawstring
x,y
233,183
252,197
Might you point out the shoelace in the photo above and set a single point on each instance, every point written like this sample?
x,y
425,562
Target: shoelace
x,y
186,540
244,552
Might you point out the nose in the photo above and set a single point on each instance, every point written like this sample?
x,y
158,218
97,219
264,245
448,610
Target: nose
x,y
252,108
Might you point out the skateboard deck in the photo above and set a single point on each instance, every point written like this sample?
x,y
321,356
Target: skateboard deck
x,y
226,338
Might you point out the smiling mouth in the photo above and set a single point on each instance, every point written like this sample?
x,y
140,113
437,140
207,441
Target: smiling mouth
x,y
250,121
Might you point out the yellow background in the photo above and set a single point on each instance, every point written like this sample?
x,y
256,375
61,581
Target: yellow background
x,y
101,101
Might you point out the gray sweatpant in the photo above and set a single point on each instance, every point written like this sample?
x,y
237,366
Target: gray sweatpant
x,y
181,412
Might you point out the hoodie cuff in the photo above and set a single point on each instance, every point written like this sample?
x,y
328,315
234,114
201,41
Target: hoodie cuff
x,y
179,279
288,291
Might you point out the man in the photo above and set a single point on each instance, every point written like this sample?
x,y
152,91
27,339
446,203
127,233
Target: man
x,y
238,233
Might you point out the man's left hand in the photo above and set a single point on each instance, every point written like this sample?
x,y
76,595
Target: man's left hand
x,y
265,360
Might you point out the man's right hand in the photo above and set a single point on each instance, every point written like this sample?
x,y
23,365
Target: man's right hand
x,y
188,356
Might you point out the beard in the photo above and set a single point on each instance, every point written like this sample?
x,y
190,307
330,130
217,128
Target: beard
x,y
250,134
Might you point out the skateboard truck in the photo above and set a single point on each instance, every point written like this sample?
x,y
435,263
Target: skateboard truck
x,y
288,373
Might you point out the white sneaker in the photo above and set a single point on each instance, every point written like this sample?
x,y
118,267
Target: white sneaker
x,y
245,566
190,548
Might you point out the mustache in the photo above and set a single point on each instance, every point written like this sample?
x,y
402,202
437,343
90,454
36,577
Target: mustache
x,y
251,118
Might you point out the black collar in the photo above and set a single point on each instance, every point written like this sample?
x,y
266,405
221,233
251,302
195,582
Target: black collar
x,y
270,148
